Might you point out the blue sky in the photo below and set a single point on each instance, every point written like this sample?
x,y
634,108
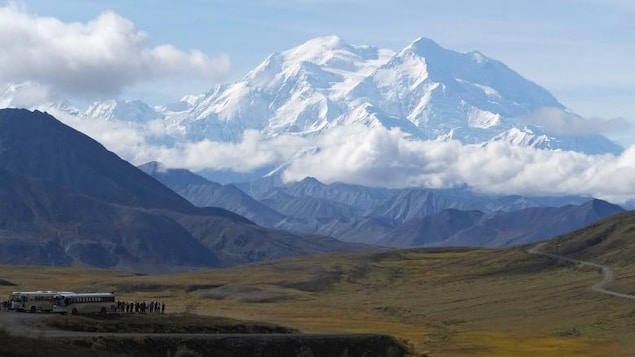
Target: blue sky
x,y
580,50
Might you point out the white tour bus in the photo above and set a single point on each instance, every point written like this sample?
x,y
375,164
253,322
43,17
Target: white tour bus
x,y
33,301
84,303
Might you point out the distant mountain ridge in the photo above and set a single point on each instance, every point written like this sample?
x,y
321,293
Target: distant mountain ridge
x,y
530,224
396,218
204,193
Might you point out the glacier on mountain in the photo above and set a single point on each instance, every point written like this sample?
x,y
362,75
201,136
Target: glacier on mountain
x,y
424,90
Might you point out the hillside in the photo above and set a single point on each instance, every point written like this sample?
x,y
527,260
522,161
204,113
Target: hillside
x,y
444,302
204,193
531,224
67,201
610,241
33,144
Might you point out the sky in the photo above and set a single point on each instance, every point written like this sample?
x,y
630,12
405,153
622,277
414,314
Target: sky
x,y
580,50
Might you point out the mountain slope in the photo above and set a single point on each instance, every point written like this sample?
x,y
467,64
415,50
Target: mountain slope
x,y
66,200
531,224
434,229
424,90
204,193
608,241
409,204
36,145
47,225
135,110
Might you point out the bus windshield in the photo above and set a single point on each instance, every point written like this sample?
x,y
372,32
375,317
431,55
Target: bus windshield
x,y
58,300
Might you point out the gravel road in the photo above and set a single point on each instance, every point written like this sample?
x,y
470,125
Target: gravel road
x,y
607,273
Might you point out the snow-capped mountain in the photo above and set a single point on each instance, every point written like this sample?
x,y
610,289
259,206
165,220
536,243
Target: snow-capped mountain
x,y
32,96
135,110
425,90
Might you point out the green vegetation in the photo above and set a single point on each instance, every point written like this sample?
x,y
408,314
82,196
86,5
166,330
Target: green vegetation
x,y
610,241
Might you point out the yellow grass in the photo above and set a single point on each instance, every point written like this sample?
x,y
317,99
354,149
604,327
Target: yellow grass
x,y
474,303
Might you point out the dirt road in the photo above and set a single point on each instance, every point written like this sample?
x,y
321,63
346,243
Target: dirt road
x,y
607,273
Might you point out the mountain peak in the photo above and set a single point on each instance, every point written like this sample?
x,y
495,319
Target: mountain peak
x,y
425,90
24,95
317,50
424,43
330,42
426,47
116,109
311,181
152,167
334,53
172,177
601,206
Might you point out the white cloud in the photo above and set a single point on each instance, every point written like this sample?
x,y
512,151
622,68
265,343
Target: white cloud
x,y
99,57
25,95
143,142
250,153
381,157
386,158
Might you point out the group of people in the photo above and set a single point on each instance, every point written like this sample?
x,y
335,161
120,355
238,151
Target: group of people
x,y
153,307
5,305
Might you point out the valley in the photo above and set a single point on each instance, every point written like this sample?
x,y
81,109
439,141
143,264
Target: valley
x,y
442,302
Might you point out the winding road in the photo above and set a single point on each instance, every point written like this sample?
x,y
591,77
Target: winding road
x,y
607,273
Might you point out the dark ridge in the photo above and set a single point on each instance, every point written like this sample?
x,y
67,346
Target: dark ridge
x,y
37,145
66,200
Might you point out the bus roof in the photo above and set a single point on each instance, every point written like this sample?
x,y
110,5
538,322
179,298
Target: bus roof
x,y
71,294
47,292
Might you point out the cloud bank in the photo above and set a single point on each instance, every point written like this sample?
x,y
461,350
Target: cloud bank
x,y
97,58
382,157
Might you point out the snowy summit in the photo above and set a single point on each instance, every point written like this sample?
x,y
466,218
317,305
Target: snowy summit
x,y
425,90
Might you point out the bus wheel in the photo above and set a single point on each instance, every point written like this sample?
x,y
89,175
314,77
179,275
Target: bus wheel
x,y
74,312
103,311
32,309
